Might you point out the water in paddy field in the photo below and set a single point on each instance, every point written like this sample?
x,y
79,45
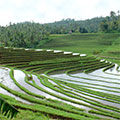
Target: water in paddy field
x,y
20,78
7,81
110,73
114,70
96,81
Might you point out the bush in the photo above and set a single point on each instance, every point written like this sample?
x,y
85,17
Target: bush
x,y
95,52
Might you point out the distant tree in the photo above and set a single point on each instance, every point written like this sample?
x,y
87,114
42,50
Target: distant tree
x,y
112,14
104,26
118,12
83,30
25,34
111,24
114,25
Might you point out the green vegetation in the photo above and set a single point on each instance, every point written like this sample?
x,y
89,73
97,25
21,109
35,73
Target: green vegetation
x,y
2,117
82,43
68,92
50,84
7,109
29,115
104,45
28,35
35,35
111,24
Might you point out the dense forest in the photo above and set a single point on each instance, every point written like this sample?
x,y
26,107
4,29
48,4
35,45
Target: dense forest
x,y
34,35
111,23
29,35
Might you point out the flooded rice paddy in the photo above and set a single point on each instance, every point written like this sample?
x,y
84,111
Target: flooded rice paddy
x,y
81,83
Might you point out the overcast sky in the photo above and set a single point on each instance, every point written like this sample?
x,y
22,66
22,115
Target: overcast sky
x,y
44,11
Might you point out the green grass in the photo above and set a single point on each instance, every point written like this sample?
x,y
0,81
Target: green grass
x,y
29,115
114,49
81,43
89,43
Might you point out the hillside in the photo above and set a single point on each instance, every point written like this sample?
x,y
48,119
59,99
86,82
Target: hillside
x,y
53,84
82,43
36,35
104,45
62,80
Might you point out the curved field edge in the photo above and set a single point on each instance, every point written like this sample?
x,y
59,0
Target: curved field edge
x,y
47,69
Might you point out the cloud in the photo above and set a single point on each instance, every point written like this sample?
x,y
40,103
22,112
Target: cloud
x,y
43,11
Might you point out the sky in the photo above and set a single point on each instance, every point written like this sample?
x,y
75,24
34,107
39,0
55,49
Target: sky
x,y
46,11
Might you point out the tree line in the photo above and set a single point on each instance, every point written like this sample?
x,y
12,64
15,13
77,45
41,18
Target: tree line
x,y
111,23
34,35
28,35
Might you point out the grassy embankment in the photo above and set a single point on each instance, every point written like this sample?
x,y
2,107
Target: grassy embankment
x,y
104,45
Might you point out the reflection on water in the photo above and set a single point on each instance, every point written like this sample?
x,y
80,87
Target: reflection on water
x,y
6,80
90,81
113,70
81,79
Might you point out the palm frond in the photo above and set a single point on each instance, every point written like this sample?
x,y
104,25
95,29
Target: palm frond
x,y
7,109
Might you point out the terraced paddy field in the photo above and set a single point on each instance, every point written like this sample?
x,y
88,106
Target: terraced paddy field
x,y
53,84
88,43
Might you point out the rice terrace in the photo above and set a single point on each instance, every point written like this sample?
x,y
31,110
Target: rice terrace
x,y
65,70
58,85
